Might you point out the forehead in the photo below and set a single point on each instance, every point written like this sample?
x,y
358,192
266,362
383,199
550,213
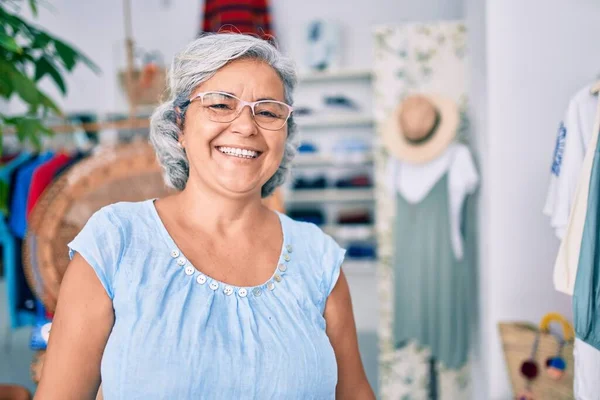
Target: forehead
x,y
248,79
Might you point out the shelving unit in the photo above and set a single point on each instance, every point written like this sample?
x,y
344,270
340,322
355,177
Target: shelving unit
x,y
327,128
323,160
328,76
341,121
331,195
354,232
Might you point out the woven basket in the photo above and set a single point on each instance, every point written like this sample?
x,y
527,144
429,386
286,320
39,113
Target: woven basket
x,y
125,173
149,93
517,343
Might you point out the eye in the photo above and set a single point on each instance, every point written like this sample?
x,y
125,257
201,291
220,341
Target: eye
x,y
219,107
267,114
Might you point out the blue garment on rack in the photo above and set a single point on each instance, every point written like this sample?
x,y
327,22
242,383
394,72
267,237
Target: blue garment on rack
x,y
10,255
586,293
18,207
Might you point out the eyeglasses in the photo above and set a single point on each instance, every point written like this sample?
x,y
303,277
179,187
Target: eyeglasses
x,y
224,107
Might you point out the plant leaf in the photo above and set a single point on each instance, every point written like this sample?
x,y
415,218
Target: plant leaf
x,y
44,66
49,104
40,40
24,86
90,64
20,83
16,23
6,86
9,43
33,6
30,128
66,53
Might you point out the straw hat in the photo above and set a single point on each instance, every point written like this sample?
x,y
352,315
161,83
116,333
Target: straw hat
x,y
421,127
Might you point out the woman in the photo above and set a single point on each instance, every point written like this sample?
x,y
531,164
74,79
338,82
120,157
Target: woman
x,y
208,293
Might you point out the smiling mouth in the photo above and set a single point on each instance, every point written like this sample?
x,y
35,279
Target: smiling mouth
x,y
240,153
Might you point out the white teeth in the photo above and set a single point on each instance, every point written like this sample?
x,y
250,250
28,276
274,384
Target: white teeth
x,y
242,153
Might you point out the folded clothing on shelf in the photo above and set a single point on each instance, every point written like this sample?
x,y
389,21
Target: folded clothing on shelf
x,y
360,180
351,145
351,217
340,102
361,251
318,182
351,150
307,147
310,215
300,111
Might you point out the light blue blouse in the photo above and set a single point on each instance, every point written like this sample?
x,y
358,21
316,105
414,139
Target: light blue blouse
x,y
179,334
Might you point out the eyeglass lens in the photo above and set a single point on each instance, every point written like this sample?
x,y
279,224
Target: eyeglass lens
x,y
268,114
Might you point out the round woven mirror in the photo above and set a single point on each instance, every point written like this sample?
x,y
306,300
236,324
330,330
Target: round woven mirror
x,y
125,173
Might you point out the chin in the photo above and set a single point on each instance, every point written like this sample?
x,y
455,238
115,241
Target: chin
x,y
240,189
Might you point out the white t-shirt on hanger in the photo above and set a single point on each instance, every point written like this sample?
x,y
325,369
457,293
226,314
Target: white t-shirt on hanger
x,y
573,137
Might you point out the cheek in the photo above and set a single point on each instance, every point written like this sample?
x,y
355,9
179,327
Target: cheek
x,y
277,150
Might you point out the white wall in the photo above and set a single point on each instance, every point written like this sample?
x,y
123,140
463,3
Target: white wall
x,y
96,27
538,53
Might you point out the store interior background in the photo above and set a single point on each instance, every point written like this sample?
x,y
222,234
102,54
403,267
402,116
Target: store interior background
x,y
525,61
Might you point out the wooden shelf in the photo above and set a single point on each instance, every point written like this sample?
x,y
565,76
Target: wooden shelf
x,y
359,267
338,121
350,232
319,160
330,195
336,75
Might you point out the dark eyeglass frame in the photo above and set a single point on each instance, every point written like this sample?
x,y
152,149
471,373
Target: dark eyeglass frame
x,y
242,104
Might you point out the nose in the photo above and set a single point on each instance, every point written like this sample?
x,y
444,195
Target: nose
x,y
244,123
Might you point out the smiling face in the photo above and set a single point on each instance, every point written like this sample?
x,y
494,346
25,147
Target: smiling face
x,y
235,158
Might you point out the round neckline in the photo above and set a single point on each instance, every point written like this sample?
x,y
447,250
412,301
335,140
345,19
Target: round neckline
x,y
173,246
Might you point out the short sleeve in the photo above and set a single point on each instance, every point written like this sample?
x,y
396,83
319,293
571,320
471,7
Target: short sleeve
x,y
100,243
333,257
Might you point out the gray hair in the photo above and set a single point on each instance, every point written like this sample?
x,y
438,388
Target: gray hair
x,y
198,62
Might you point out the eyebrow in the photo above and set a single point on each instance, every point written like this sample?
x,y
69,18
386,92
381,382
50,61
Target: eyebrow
x,y
261,99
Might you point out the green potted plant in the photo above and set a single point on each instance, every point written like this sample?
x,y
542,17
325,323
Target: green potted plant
x,y
27,54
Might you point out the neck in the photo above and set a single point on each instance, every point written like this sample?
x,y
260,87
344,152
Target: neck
x,y
207,210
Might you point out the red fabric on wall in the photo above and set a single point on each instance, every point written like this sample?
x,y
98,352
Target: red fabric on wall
x,y
241,16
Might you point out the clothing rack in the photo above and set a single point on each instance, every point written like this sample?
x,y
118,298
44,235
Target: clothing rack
x,y
130,123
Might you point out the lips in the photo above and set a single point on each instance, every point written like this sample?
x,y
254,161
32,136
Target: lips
x,y
239,152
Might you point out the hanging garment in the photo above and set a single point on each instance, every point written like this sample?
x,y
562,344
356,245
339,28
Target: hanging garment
x,y
586,385
21,299
569,184
434,286
414,181
6,171
572,140
18,208
245,16
586,294
10,248
576,266
43,176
